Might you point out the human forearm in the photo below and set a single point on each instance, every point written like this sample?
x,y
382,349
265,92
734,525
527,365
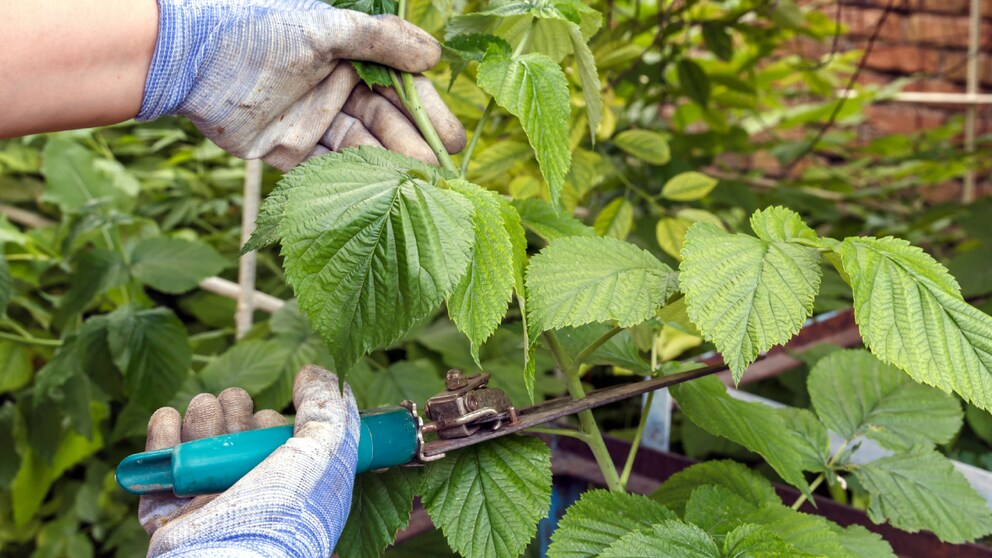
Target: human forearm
x,y
72,64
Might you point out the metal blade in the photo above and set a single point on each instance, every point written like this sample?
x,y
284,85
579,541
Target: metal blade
x,y
564,406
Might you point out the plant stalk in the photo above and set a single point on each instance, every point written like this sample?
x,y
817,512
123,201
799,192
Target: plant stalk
x,y
629,465
475,135
30,340
586,420
822,476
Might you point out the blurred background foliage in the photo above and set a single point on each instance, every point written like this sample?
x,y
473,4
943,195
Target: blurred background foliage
x,y
710,116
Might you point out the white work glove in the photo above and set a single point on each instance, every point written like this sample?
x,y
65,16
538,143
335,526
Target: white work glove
x,y
295,503
272,79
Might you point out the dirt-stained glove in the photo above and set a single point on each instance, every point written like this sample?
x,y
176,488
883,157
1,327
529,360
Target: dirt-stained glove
x,y
294,503
272,79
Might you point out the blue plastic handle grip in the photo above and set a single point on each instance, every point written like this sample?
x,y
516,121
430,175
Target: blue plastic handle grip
x,y
388,437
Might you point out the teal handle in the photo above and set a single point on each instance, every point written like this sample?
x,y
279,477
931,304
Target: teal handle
x,y
388,437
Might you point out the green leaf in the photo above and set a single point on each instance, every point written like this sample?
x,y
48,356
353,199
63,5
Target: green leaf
x,y
97,271
669,539
746,294
578,280
753,425
487,499
815,446
589,77
16,368
380,506
72,178
616,219
471,47
920,489
10,460
862,543
373,74
601,517
6,285
540,217
518,241
694,81
415,380
778,224
808,533
734,476
718,40
755,541
371,7
688,186
266,231
479,301
620,350
717,509
646,145
855,394
252,365
371,248
174,265
670,233
151,349
534,89
911,314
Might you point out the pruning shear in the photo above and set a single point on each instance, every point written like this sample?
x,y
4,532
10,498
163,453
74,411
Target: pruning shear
x,y
465,413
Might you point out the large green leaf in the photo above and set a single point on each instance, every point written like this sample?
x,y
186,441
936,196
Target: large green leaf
x,y
174,265
380,506
479,301
252,365
747,294
717,509
97,271
648,146
920,489
72,177
487,499
855,394
734,476
669,539
753,425
601,517
533,88
578,280
151,349
755,541
589,76
371,247
910,313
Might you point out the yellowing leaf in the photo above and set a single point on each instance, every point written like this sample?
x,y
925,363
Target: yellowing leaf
x,y
650,147
670,233
688,186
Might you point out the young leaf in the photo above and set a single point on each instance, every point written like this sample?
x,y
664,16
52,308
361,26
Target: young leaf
x,y
370,247
778,224
855,394
487,499
151,349
755,541
373,74
544,221
670,539
174,265
534,89
734,476
746,294
380,506
589,76
578,280
462,49
688,186
252,365
753,425
910,313
920,489
694,81
646,145
479,301
601,517
616,219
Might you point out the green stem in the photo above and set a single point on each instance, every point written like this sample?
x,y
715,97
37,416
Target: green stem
x,y
629,465
577,434
593,346
822,476
30,340
424,124
475,135
586,420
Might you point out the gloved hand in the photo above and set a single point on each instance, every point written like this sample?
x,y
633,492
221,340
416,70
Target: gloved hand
x,y
271,79
294,503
